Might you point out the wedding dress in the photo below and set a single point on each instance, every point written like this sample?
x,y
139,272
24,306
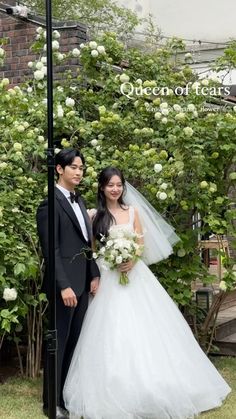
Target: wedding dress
x,y
136,357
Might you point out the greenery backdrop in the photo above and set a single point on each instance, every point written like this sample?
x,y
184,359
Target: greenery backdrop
x,y
175,150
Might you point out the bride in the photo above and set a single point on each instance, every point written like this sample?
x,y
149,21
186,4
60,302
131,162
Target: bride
x,y
136,357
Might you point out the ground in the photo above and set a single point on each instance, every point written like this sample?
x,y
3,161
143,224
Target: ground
x,y
21,398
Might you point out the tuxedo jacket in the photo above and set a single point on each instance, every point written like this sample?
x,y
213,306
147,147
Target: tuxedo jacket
x,y
74,266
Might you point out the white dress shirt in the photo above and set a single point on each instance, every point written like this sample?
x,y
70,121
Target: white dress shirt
x,y
76,209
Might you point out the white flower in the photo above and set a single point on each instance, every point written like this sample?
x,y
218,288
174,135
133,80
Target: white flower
x,y
60,89
55,45
223,286
76,52
139,81
165,112
163,186
205,82
92,45
40,139
94,142
70,102
180,116
39,65
57,150
95,255
44,60
164,105
234,108
124,78
188,131
181,253
39,75
164,120
3,165
29,90
177,108
188,55
17,146
9,294
157,115
39,30
109,243
2,52
191,107
94,53
30,64
82,46
101,49
60,56
56,35
60,112
195,114
5,81
20,128
119,259
15,209
158,167
162,196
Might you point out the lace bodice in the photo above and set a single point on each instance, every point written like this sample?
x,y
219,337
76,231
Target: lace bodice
x,y
129,226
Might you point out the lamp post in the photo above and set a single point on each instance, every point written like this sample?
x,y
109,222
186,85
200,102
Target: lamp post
x,y
52,332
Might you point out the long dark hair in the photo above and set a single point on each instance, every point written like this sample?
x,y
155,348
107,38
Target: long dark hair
x,y
104,219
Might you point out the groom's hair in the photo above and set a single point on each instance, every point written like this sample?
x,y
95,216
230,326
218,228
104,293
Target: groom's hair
x,y
66,157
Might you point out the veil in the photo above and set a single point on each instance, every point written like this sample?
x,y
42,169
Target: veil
x,y
159,236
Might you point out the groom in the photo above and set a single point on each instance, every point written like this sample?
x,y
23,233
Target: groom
x,y
76,272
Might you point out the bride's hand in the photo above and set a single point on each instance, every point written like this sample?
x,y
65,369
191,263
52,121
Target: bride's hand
x,y
126,266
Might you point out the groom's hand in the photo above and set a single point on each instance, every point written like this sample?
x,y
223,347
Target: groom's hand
x,y
69,297
94,285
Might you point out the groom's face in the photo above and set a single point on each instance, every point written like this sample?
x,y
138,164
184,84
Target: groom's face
x,y
70,176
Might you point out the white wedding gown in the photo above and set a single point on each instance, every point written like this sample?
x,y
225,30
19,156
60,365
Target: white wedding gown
x,y
136,357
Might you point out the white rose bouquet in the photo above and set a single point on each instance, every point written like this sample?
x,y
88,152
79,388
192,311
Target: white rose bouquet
x,y
120,246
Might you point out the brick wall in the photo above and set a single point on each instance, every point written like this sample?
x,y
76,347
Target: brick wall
x,y
20,34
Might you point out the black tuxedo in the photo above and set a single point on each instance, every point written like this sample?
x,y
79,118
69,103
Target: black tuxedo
x,y
73,268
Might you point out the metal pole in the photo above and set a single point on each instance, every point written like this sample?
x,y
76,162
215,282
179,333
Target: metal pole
x,y
52,332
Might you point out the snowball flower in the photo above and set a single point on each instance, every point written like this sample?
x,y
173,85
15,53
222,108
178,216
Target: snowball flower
x,y
164,105
17,146
191,107
223,286
70,102
164,186
124,78
60,112
2,52
82,46
180,116
3,165
5,81
157,115
92,45
30,64
55,45
188,55
101,49
162,196
60,56
56,35
165,112
15,209
20,128
188,131
164,120
39,30
29,90
44,60
76,52
181,253
177,108
94,53
205,82
94,142
39,65
39,75
158,167
9,294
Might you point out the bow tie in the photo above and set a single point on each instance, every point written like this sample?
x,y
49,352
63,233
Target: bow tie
x,y
74,197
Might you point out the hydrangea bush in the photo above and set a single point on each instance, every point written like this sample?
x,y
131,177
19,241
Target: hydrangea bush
x,y
124,108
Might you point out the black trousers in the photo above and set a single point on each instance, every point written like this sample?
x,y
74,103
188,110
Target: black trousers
x,y
69,322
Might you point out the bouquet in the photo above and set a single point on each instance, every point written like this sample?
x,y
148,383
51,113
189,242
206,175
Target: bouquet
x,y
120,246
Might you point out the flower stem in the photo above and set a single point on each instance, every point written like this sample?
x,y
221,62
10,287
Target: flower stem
x,y
124,280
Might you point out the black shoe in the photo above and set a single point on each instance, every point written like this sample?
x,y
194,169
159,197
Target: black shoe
x,y
60,412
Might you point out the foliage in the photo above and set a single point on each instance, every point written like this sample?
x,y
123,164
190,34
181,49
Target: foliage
x,y
97,15
174,149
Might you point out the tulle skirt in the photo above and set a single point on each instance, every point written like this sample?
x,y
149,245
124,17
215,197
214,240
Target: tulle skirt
x,y
137,358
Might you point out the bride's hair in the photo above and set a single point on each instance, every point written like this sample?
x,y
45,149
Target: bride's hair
x,y
103,218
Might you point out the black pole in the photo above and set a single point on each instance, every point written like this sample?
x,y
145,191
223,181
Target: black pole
x,y
52,332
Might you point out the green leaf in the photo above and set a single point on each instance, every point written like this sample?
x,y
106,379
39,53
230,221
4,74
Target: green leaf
x,y
19,268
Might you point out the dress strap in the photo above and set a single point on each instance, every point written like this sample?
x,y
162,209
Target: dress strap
x,y
131,215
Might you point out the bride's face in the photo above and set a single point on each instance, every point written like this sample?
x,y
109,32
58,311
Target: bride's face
x,y
113,189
